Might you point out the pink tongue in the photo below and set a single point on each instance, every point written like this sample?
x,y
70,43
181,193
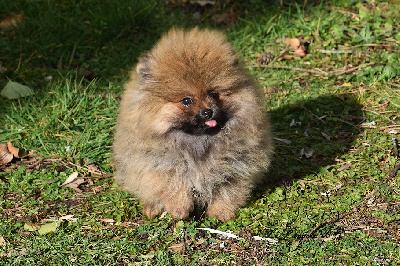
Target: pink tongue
x,y
211,123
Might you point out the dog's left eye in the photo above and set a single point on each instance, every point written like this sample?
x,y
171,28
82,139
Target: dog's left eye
x,y
187,101
213,95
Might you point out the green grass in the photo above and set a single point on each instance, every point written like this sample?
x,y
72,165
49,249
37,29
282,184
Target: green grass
x,y
338,205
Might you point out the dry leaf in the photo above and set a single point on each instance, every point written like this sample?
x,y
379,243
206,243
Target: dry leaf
x,y
326,136
344,167
298,46
5,155
9,152
11,21
97,189
294,42
13,150
70,179
346,84
73,182
304,153
180,247
286,141
202,3
300,52
68,217
106,220
49,228
287,57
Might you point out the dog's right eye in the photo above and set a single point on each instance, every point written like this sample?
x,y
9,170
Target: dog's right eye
x,y
187,101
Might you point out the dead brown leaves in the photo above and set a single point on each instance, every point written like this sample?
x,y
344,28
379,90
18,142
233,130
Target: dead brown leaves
x,y
11,22
74,182
8,152
298,45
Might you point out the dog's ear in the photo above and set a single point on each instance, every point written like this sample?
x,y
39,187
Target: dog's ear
x,y
144,66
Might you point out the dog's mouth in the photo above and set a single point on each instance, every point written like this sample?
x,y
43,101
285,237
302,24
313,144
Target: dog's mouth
x,y
199,126
211,123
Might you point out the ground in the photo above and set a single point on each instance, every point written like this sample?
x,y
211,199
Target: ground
x,y
329,72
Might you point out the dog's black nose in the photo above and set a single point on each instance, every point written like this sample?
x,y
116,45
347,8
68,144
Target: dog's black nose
x,y
206,113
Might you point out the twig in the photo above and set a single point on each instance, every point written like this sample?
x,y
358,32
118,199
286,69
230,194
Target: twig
x,y
395,147
318,71
334,51
96,172
335,72
25,221
394,171
319,225
233,236
339,72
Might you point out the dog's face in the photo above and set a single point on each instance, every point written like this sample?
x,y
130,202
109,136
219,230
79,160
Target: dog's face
x,y
190,89
202,113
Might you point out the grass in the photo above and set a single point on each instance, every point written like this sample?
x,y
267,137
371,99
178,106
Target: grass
x,y
332,197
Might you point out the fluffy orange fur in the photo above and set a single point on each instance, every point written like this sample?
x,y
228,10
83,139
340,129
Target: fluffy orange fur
x,y
192,133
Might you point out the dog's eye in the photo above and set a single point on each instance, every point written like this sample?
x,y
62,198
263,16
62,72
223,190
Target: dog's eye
x,y
213,95
187,101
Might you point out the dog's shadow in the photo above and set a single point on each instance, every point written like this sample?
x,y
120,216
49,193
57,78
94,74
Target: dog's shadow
x,y
309,135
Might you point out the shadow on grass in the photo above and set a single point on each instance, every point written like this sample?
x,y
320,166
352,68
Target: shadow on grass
x,y
319,130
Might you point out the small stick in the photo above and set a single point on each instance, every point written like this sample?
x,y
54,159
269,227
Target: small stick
x,y
395,147
394,171
233,236
334,51
318,71
335,72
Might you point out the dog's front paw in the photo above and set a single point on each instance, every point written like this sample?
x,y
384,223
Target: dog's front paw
x,y
222,210
151,210
180,206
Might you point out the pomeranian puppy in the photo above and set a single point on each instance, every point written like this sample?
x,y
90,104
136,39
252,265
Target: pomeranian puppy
x,y
192,133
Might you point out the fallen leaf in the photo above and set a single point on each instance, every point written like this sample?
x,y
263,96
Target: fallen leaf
x,y
11,21
300,52
9,152
297,45
202,3
73,182
30,228
344,167
97,189
286,141
107,220
14,90
69,217
305,154
92,168
287,57
294,42
148,256
48,228
346,84
13,150
70,179
5,155
180,247
327,137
